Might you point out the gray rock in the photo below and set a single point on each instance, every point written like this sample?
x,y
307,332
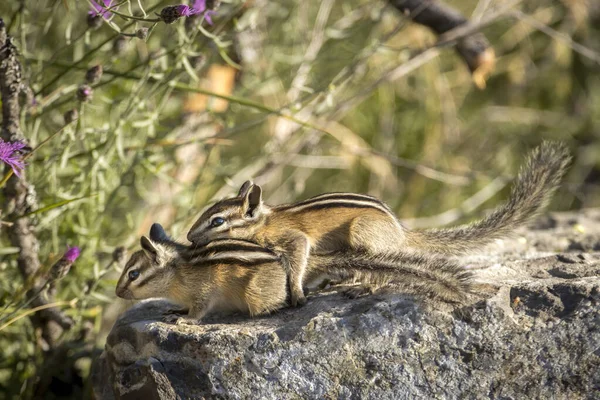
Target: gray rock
x,y
538,337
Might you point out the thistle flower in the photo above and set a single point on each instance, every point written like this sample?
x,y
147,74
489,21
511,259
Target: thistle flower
x,y
62,267
10,154
98,10
173,13
207,8
72,253
84,93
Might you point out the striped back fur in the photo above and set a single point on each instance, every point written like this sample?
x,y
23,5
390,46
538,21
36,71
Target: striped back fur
x,y
151,271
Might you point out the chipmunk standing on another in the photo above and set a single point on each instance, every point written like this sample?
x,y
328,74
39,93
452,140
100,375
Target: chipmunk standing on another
x,y
338,221
236,275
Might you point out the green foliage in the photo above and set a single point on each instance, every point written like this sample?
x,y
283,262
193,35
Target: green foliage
x,y
137,153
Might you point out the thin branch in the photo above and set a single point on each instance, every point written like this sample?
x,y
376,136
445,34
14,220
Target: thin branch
x,y
428,172
42,307
422,57
466,208
558,36
474,49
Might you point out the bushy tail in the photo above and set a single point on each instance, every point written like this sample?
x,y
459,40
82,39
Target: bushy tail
x,y
537,180
418,274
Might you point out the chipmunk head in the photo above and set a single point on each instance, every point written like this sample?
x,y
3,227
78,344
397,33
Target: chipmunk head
x,y
237,217
147,272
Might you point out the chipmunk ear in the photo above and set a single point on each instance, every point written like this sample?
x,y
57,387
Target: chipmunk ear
x,y
157,233
149,248
253,201
244,188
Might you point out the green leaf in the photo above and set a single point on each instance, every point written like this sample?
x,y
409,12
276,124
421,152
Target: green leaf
x,y
56,205
9,250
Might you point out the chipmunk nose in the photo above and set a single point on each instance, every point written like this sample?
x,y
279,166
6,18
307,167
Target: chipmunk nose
x,y
123,293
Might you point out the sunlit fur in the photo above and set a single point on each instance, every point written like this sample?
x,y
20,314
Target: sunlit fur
x,y
222,276
338,221
421,275
234,275
153,266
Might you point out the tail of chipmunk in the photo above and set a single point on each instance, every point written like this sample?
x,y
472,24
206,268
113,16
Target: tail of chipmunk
x,y
407,272
537,180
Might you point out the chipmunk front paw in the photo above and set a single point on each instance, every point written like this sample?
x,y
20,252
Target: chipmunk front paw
x,y
298,300
187,321
178,319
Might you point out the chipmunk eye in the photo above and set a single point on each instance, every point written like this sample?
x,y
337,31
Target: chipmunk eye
x,y
218,221
133,275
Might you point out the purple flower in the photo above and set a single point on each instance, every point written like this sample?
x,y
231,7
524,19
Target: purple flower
x,y
171,14
72,254
200,7
9,153
97,9
186,11
84,93
62,267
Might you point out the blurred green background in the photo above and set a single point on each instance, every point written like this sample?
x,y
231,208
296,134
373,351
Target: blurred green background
x,y
151,146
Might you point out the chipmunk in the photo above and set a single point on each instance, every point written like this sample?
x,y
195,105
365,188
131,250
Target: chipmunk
x,y
225,275
236,275
338,221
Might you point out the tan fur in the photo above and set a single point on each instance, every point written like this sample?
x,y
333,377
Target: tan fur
x,y
243,284
204,286
422,275
334,222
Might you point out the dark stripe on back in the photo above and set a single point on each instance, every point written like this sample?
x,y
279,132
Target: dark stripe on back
x,y
335,204
205,262
223,248
332,197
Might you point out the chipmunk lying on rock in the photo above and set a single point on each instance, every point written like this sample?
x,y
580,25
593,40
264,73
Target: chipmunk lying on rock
x,y
237,275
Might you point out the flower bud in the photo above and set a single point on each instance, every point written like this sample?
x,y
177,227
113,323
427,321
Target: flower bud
x,y
170,14
70,116
62,267
84,93
119,255
94,21
198,62
93,74
120,45
142,33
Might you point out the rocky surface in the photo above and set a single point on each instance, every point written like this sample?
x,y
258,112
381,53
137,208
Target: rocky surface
x,y
538,337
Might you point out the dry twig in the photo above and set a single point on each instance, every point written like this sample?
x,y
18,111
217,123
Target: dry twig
x,y
474,49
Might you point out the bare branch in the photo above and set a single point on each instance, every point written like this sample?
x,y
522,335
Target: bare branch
x,y
558,36
474,49
466,208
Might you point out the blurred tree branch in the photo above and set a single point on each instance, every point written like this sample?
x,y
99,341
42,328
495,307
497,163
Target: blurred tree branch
x,y
475,49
